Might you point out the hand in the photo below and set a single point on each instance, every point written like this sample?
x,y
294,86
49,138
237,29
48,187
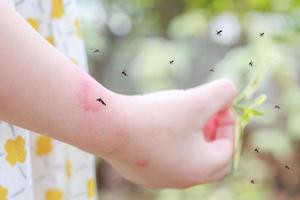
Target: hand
x,y
177,138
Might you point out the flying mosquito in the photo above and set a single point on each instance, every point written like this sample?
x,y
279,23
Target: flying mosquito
x,y
124,72
96,51
212,70
219,32
252,181
251,63
171,62
261,34
277,107
256,150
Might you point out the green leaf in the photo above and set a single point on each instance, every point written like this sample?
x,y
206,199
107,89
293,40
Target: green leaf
x,y
259,100
256,112
245,113
248,114
252,85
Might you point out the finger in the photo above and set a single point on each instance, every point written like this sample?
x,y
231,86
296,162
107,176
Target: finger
x,y
210,129
225,117
221,119
225,126
213,97
221,149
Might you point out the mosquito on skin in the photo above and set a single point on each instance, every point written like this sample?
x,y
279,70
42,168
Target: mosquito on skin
x,y
287,167
101,100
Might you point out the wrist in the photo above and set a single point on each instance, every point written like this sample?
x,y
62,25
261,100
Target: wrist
x,y
103,125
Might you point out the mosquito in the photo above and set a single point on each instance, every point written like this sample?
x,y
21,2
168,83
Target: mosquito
x,y
219,32
101,100
96,51
171,62
261,34
251,63
287,167
124,72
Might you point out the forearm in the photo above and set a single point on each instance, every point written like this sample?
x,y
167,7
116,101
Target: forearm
x,y
43,91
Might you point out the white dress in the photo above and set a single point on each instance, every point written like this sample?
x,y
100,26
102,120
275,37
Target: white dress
x,y
33,166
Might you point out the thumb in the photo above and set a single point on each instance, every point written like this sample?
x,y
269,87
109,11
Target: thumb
x,y
213,97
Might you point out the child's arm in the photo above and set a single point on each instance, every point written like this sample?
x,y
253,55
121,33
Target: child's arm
x,y
157,140
42,90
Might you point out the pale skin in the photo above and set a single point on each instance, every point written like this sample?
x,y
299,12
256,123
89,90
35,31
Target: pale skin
x,y
157,140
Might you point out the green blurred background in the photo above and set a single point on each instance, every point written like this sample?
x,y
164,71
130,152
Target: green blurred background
x,y
142,36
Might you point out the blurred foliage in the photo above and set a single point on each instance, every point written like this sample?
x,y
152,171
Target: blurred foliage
x,y
142,36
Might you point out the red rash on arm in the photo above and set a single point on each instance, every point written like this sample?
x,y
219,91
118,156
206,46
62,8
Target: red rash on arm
x,y
142,163
43,91
102,127
87,98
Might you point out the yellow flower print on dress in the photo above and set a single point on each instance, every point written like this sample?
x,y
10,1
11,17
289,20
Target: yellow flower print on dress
x,y
68,168
57,9
78,28
74,61
15,150
50,39
33,22
43,145
91,188
3,193
54,194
